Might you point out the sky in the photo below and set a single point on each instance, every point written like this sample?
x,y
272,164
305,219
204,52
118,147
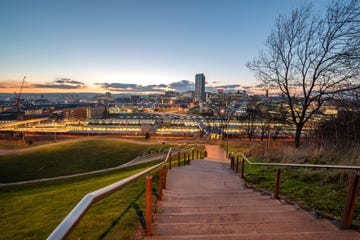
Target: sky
x,y
132,45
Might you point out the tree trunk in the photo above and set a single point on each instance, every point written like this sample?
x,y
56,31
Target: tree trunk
x,y
299,128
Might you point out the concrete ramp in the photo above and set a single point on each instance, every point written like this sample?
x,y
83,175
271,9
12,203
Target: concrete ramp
x,y
205,200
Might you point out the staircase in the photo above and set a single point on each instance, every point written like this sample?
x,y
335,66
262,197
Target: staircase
x,y
205,200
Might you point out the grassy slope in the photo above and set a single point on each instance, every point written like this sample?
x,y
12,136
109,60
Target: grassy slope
x,y
33,211
68,158
322,190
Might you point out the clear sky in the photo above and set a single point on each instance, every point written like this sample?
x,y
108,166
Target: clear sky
x,y
100,45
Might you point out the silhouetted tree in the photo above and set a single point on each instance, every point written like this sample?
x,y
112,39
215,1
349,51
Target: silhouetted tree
x,y
311,58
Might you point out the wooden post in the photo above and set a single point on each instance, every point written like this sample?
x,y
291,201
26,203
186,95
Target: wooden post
x,y
164,177
277,183
243,168
198,154
148,206
188,158
184,158
237,165
192,154
160,187
233,161
169,161
351,200
178,159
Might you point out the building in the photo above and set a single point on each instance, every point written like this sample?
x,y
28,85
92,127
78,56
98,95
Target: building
x,y
83,112
199,87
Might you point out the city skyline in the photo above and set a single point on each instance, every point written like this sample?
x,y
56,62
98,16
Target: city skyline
x,y
120,46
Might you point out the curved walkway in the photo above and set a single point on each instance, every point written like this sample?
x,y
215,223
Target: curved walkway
x,y
133,162
215,153
14,151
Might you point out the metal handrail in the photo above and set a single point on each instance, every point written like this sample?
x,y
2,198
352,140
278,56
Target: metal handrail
x,y
351,196
74,217
345,167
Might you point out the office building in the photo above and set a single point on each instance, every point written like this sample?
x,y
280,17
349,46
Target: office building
x,y
199,94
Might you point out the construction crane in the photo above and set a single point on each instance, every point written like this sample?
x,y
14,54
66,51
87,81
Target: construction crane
x,y
18,100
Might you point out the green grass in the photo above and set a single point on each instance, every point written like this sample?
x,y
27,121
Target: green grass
x,y
33,211
14,147
69,158
320,190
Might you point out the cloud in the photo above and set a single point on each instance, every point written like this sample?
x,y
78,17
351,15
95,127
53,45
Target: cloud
x,y
226,88
58,86
1,86
181,86
118,86
68,81
128,87
232,86
61,83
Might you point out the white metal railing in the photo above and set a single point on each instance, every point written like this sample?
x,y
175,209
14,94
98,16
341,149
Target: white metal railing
x,y
74,217
353,188
344,167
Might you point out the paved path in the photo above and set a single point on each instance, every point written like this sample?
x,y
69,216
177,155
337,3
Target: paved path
x,y
133,162
136,161
215,153
205,200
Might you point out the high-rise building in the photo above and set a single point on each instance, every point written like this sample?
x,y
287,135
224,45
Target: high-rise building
x,y
199,87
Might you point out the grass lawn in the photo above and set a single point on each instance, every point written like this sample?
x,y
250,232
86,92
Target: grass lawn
x,y
69,158
318,189
321,190
33,211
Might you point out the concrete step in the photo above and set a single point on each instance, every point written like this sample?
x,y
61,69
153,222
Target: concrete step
x,y
214,197
205,201
324,235
166,207
173,229
220,195
243,217
240,201
175,193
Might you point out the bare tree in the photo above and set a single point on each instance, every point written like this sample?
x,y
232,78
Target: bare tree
x,y
312,58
